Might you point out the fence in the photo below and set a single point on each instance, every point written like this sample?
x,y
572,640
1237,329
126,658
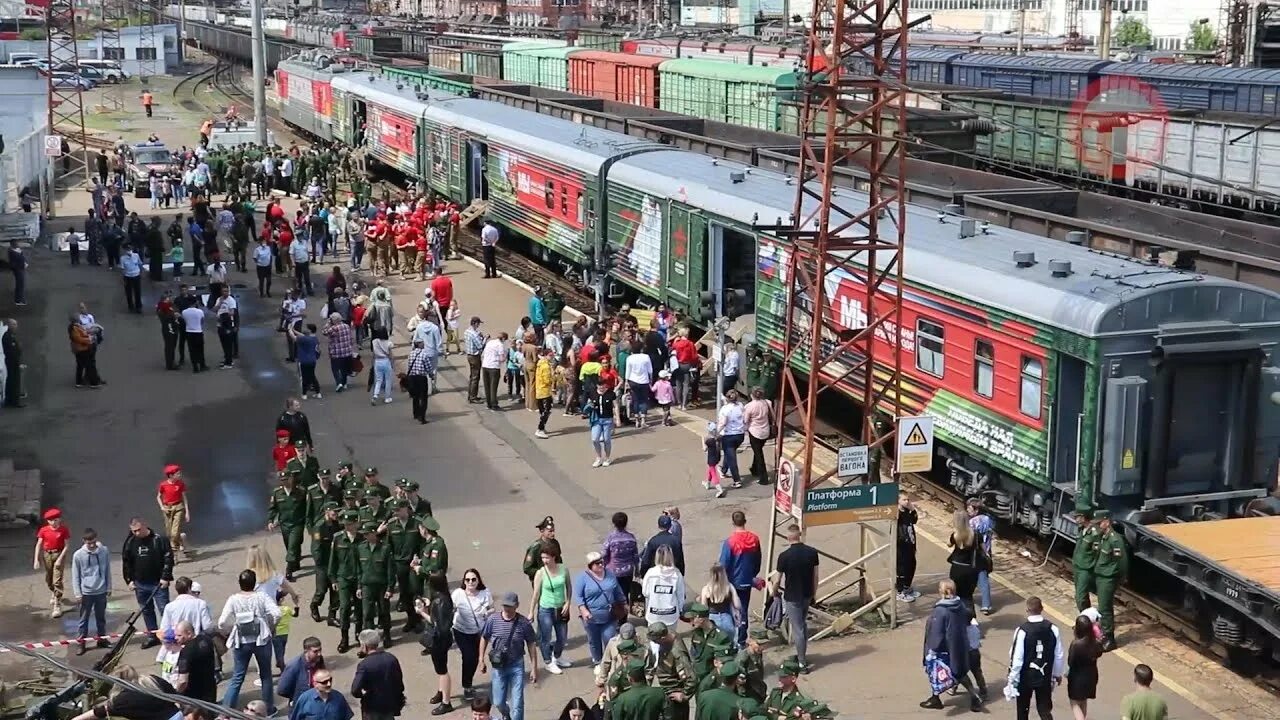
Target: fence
x,y
21,166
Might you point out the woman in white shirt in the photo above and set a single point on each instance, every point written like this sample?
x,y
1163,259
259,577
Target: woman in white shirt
x,y
639,375
249,618
663,589
217,281
472,603
733,430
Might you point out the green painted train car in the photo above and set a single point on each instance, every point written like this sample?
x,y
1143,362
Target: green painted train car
x,y
425,77
536,62
1047,137
727,92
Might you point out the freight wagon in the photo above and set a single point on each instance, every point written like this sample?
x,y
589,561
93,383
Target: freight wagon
x,y
727,92
235,43
537,62
631,79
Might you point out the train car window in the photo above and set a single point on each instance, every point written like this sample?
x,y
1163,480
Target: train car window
x,y
549,195
580,209
984,375
564,200
930,340
1030,388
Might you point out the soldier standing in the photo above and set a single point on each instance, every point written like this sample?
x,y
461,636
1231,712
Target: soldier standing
x,y
320,495
403,537
288,512
640,700
722,656
721,703
418,506
374,486
1083,559
705,639
344,573
351,501
673,671
376,580
533,554
346,477
322,532
630,653
433,556
1111,568
304,465
783,700
751,660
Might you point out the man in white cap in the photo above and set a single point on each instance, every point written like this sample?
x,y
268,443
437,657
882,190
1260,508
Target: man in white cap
x,y
505,639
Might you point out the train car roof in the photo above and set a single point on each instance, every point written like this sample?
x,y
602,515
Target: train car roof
x,y
392,93
981,268
307,69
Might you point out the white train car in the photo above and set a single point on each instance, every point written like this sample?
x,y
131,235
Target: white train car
x,y
304,85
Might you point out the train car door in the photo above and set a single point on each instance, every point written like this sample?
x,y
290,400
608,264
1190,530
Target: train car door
x,y
686,242
731,263
359,118
1068,419
477,167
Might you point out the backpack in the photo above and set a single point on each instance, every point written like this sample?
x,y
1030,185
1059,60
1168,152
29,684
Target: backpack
x,y
1038,648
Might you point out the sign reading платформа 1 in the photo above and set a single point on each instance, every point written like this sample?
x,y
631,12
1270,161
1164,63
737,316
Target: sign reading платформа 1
x,y
852,503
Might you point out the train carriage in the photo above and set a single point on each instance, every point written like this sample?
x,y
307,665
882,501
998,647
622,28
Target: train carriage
x,y
727,92
304,86
543,63
631,79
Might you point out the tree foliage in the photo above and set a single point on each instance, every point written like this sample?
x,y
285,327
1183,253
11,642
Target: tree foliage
x,y
1130,32
1202,37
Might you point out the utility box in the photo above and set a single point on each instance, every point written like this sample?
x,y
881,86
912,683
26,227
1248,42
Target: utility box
x,y
1123,442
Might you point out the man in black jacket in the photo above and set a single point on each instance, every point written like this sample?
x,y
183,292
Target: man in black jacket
x,y
147,566
295,421
663,537
379,682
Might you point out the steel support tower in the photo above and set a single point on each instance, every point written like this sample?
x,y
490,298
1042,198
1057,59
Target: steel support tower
x,y
861,236
150,58
114,16
66,103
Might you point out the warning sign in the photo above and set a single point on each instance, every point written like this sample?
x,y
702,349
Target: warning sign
x,y
915,444
784,494
1126,462
53,145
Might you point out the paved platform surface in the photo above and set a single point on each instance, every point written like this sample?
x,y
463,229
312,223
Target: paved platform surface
x,y
100,453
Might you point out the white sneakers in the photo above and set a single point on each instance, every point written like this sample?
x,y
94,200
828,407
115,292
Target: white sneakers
x,y
374,400
553,668
387,401
563,663
541,434
597,463
57,607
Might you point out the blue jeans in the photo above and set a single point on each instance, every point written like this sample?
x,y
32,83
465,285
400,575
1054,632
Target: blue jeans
x,y
242,655
382,376
744,599
278,644
724,621
602,436
357,253
599,635
95,605
549,624
729,445
508,687
984,588
152,605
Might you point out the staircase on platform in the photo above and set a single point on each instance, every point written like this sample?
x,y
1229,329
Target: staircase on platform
x,y
475,210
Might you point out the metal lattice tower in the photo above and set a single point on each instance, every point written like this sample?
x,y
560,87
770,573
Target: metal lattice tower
x,y
114,16
1073,24
149,56
834,233
66,104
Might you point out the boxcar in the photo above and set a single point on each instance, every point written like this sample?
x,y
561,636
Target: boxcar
x,y
1202,87
632,79
727,92
1042,77
1051,136
422,76
545,65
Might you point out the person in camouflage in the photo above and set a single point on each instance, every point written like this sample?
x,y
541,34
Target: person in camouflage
x,y
533,554
673,671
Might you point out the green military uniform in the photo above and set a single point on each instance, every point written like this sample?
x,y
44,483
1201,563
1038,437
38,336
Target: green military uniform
x,y
714,679
308,471
376,578
814,710
705,641
721,703
638,701
418,506
749,708
288,511
782,703
434,552
752,663
533,554
403,537
371,485
370,514
344,573
673,671
344,475
1083,561
619,677
1111,568
351,501
318,496
322,532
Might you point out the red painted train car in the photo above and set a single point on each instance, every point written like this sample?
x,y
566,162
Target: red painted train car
x,y
631,79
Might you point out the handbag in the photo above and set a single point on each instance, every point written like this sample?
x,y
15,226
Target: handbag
x,y
619,610
499,656
356,365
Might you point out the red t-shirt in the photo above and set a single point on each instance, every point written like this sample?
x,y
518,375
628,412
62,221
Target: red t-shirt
x,y
686,351
442,288
284,239
53,539
283,454
171,492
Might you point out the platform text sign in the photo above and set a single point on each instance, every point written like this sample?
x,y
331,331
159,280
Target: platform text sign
x,y
852,503
852,461
915,444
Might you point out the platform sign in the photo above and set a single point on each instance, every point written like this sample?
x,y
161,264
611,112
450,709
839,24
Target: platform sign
x,y
852,461
851,503
915,444
788,489
53,145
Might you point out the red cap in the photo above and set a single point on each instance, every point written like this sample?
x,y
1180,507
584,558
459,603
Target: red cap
x,y
52,514
282,433
171,469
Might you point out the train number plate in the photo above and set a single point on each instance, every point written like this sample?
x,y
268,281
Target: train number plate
x,y
1233,590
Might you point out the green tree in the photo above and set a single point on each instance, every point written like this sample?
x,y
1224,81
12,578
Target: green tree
x,y
32,34
1130,32
1202,38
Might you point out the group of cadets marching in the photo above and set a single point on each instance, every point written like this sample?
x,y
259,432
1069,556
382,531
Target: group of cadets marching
x,y
369,542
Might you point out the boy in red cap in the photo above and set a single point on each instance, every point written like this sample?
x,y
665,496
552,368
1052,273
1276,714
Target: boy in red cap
x,y
284,451
171,496
51,554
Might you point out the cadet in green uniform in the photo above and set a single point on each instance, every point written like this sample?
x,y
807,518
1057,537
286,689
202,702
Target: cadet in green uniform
x,y
814,710
402,536
376,580
640,701
346,476
751,660
408,489
373,511
721,703
351,500
749,709
320,495
374,486
712,680
306,466
1084,559
1109,572
322,532
620,676
288,512
533,554
673,671
705,639
344,573
784,699
433,555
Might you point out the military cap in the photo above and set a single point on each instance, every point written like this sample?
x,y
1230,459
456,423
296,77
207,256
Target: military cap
x,y
326,472
299,443
635,664
725,652
628,646
369,527
345,465
397,503
349,516
547,522
410,486
686,612
697,609
657,630
789,667
429,522
402,482
759,634
1102,515
749,706
370,471
331,505
350,494
730,669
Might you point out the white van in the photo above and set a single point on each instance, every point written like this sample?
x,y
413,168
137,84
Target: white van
x,y
20,58
109,69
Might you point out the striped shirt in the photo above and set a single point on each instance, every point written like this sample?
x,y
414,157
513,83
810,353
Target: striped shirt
x,y
506,635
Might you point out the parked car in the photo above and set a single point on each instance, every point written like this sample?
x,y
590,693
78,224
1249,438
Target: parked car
x,y
68,81
109,69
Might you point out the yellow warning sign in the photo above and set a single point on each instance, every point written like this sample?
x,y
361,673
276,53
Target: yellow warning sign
x,y
1126,463
915,437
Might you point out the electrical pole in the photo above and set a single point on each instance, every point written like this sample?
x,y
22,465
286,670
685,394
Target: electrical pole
x,y
1104,31
1022,25
259,74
